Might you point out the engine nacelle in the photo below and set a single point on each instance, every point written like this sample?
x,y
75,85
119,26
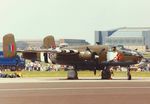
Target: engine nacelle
x,y
73,51
86,55
65,51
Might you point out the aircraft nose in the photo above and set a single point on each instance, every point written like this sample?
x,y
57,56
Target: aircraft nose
x,y
137,54
140,56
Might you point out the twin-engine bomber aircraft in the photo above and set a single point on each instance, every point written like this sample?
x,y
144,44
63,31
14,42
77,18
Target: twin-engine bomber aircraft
x,y
92,57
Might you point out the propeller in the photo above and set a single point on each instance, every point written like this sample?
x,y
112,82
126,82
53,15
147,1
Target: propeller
x,y
95,57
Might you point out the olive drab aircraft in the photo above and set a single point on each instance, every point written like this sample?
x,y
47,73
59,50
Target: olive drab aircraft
x,y
92,57
95,57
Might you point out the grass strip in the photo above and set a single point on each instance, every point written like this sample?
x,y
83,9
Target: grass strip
x,y
80,74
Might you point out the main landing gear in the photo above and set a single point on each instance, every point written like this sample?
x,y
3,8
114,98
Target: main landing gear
x,y
106,73
72,74
128,73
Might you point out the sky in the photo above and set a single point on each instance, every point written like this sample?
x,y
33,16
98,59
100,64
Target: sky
x,y
79,19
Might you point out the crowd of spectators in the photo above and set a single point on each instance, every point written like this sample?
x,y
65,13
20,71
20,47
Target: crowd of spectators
x,y
37,66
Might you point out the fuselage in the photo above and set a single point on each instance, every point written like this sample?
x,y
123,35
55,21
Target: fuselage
x,y
94,56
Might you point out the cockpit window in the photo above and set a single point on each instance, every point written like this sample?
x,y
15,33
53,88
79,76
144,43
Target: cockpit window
x,y
120,47
112,49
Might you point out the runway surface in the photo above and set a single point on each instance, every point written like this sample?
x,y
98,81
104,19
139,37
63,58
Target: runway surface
x,y
61,91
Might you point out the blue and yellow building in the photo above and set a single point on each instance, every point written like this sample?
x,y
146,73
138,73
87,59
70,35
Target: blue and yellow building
x,y
129,37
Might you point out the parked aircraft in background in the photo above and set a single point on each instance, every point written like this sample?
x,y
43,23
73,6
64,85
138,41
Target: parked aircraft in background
x,y
92,57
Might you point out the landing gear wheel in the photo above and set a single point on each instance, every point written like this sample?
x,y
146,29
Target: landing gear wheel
x,y
106,74
129,74
129,77
72,74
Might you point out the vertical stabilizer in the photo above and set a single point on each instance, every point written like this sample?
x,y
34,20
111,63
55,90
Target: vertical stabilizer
x,y
49,42
9,45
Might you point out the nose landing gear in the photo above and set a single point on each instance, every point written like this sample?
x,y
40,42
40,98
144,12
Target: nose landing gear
x,y
128,73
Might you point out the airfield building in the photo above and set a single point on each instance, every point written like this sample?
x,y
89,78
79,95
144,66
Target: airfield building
x,y
74,42
129,37
37,44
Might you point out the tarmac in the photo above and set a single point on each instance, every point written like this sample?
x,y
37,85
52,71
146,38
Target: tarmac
x,y
83,91
64,79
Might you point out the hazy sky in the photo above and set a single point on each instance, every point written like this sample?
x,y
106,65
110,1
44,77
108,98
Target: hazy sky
x,y
34,19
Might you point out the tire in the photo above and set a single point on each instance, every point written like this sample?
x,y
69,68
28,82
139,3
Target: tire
x,y
106,74
129,76
72,74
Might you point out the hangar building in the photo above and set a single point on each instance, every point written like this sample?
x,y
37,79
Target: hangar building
x,y
74,42
37,44
129,37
